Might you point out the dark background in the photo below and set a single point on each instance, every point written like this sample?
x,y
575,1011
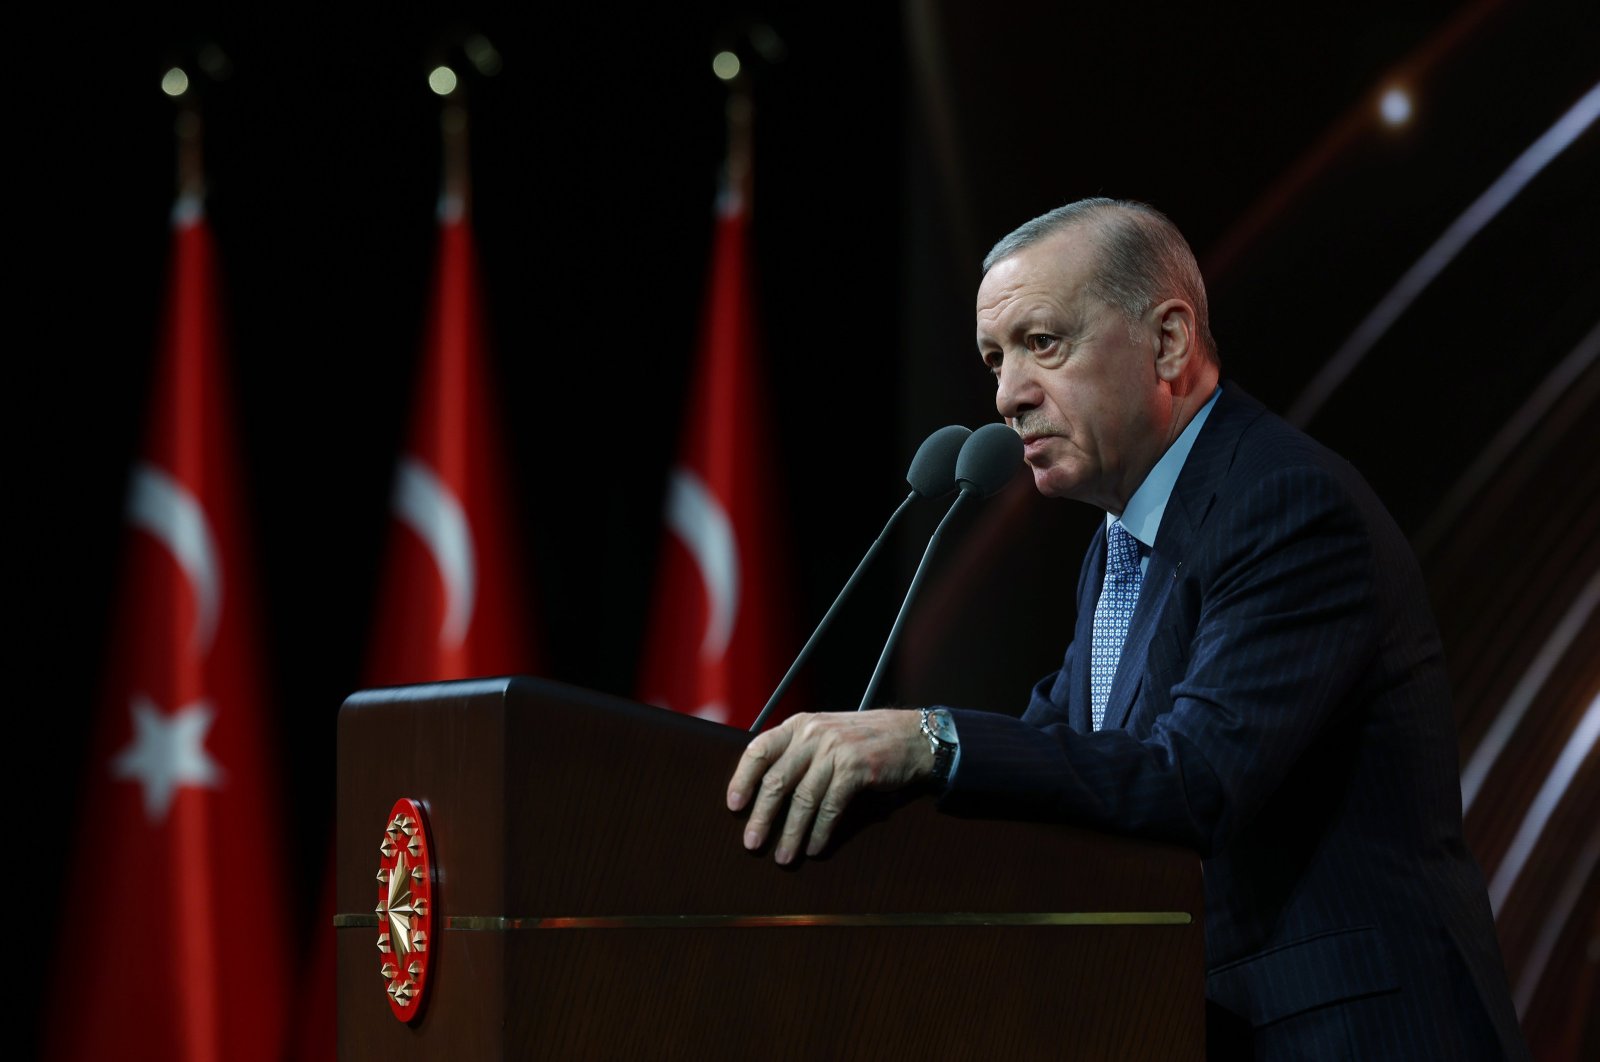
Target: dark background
x,y
894,144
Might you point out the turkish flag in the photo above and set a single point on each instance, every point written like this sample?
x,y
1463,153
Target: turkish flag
x,y
451,604
452,601
719,637
174,944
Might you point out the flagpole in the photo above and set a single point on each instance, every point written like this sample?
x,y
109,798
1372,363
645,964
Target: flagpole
x,y
455,188
191,156
741,121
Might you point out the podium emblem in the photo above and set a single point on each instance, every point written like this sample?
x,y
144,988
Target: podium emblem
x,y
405,909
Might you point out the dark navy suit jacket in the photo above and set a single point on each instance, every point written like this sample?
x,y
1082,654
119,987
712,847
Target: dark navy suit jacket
x,y
1281,706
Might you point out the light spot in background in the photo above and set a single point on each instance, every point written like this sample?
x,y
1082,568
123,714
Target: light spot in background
x,y
442,80
482,54
175,82
725,65
1395,106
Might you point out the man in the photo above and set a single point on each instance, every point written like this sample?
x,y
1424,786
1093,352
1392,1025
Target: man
x,y
1254,673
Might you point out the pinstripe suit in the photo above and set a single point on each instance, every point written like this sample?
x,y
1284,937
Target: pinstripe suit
x,y
1280,706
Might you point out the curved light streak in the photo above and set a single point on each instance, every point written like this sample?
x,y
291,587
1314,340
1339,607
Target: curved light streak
x,y
698,519
166,509
1544,804
1511,437
1416,68
1444,250
1528,686
1558,914
427,505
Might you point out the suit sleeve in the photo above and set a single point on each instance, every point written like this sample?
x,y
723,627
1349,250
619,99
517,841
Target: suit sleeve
x,y
1276,626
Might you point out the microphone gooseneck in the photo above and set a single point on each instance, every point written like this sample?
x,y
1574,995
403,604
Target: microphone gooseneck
x,y
932,473
985,463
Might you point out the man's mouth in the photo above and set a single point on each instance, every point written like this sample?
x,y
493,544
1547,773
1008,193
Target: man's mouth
x,y
1035,433
1033,444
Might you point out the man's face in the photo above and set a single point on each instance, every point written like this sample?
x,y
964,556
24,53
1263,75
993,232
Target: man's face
x,y
1073,379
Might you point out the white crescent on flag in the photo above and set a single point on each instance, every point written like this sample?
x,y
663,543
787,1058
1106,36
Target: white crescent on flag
x,y
698,519
427,505
174,517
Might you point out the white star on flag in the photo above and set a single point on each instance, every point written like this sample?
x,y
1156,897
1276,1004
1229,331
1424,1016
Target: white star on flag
x,y
167,752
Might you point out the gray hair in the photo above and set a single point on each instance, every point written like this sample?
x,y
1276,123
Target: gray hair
x,y
1142,258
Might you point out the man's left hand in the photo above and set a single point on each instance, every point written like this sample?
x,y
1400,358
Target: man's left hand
x,y
820,761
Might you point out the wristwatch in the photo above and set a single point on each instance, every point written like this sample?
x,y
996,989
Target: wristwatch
x,y
940,730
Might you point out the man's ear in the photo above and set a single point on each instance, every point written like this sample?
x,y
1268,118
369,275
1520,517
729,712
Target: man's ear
x,y
1175,331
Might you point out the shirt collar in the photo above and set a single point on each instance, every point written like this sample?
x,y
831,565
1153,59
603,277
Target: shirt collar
x,y
1142,517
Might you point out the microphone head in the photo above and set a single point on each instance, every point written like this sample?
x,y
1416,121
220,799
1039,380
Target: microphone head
x,y
988,459
933,469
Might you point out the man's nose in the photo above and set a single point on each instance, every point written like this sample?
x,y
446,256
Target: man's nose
x,y
1017,392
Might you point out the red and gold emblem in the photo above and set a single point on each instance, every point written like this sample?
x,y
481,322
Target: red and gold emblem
x,y
405,908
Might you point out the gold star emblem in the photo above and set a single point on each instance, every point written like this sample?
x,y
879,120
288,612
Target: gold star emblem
x,y
403,908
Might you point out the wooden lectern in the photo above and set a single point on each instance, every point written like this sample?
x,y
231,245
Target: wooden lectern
x,y
591,899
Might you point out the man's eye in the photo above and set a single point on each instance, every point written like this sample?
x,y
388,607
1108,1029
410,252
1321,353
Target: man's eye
x,y
1041,341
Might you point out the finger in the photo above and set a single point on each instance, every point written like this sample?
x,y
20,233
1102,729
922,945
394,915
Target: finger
x,y
774,789
840,792
753,764
809,795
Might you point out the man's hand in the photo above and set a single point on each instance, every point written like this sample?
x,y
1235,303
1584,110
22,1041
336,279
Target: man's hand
x,y
820,762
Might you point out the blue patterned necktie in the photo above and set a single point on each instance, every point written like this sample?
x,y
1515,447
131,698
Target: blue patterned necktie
x,y
1118,595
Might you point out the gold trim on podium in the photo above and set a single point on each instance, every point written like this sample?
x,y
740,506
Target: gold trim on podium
x,y
497,923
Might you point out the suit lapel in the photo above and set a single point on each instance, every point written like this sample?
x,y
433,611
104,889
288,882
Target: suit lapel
x,y
1153,592
1186,511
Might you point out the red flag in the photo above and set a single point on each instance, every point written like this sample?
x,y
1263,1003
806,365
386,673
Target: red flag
x,y
719,636
452,602
173,946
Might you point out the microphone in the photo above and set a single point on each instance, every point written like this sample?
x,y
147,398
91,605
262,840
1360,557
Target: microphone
x,y
933,469
985,464
932,474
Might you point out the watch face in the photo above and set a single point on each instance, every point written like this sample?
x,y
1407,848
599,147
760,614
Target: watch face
x,y
943,727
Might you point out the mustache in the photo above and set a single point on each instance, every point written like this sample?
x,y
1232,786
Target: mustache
x,y
1035,423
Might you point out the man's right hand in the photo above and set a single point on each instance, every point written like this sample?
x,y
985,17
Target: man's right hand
x,y
819,762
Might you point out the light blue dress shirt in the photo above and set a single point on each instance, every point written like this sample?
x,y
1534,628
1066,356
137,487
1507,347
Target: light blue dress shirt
x,y
1142,517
